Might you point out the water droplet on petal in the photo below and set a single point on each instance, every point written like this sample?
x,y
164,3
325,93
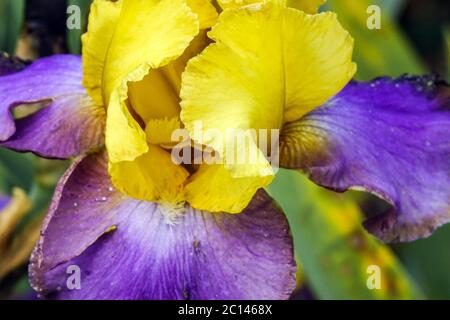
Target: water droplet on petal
x,y
101,199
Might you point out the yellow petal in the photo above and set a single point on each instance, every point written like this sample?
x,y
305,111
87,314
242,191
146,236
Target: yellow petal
x,y
159,131
103,18
308,6
154,176
207,13
124,138
157,96
149,35
213,189
154,97
234,4
318,61
270,65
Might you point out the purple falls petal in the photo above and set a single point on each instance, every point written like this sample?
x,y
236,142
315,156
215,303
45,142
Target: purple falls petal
x,y
139,256
79,213
388,137
69,125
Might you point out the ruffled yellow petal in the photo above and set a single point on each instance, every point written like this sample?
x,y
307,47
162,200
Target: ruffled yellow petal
x,y
157,96
154,97
234,4
159,131
308,6
154,176
213,189
318,61
270,65
149,35
124,138
207,13
103,18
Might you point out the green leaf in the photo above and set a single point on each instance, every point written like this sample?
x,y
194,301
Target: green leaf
x,y
16,170
429,262
74,35
383,52
333,248
11,19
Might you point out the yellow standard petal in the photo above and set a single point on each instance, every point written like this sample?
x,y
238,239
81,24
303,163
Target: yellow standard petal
x,y
152,176
212,188
270,65
157,96
103,18
308,6
235,4
159,131
148,35
207,13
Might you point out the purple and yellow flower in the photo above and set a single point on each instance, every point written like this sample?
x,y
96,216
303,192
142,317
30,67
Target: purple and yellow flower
x,y
139,225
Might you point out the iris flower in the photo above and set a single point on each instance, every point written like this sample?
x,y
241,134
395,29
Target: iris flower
x,y
140,226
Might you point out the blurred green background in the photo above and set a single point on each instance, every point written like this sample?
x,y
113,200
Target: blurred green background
x,y
332,249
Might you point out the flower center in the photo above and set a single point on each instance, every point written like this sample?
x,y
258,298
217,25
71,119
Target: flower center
x,y
171,211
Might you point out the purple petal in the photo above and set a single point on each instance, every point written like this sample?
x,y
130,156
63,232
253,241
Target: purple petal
x,y
202,256
78,214
70,125
388,137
